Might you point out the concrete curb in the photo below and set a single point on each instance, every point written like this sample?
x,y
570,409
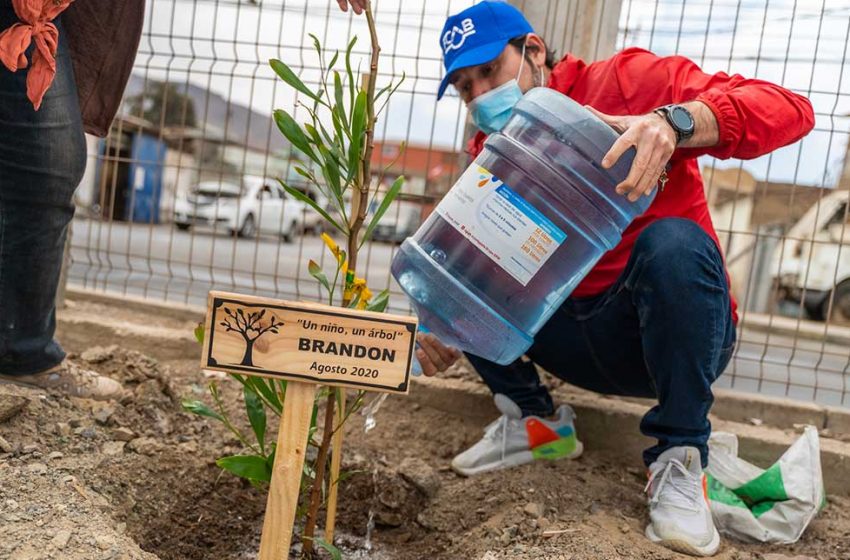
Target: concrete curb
x,y
787,326
165,309
609,426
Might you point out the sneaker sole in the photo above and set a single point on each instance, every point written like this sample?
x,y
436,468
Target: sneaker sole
x,y
9,380
515,460
685,547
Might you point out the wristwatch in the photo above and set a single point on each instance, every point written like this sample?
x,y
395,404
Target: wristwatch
x,y
680,119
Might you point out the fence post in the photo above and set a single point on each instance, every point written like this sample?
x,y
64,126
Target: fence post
x,y
585,28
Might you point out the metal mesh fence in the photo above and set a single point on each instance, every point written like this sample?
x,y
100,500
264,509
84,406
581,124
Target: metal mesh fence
x,y
180,198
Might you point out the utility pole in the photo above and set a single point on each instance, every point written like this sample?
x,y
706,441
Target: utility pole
x,y
585,28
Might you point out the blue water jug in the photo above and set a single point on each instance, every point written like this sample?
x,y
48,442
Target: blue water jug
x,y
518,231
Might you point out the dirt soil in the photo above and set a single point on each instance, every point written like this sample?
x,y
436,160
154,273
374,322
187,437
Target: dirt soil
x,y
81,480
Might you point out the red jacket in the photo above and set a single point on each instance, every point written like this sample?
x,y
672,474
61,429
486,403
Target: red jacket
x,y
754,117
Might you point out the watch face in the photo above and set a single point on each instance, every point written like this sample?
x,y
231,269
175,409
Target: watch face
x,y
682,119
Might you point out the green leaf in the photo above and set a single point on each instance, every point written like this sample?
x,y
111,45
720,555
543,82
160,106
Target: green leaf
x,y
379,302
330,171
199,408
390,86
340,126
329,140
199,333
314,134
349,71
256,414
292,131
338,95
251,467
353,303
333,60
295,193
385,204
316,272
334,551
345,475
314,416
270,456
316,44
288,76
304,173
358,128
267,391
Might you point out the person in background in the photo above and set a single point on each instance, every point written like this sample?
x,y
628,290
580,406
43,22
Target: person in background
x,y
63,69
654,318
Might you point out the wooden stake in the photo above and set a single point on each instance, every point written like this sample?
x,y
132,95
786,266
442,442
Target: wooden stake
x,y
287,469
336,461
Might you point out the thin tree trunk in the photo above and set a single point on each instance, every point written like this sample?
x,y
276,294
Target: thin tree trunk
x,y
360,202
248,358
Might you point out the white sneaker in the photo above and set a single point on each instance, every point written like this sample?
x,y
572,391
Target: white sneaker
x,y
513,440
71,379
680,518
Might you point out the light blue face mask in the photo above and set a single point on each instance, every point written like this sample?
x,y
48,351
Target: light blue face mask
x,y
491,111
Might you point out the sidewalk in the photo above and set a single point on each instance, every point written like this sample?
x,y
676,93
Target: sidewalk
x,y
788,326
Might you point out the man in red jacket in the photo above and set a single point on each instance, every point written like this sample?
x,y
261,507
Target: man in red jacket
x,y
654,318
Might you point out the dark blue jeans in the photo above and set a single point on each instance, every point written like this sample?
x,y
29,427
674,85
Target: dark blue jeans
x,y
42,159
664,331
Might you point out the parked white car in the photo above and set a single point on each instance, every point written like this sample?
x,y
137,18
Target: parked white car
x,y
815,262
259,205
401,220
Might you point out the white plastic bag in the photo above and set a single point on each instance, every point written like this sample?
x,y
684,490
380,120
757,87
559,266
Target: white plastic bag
x,y
770,506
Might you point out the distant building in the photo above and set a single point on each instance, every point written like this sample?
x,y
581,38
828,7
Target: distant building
x,y
429,172
169,137
750,217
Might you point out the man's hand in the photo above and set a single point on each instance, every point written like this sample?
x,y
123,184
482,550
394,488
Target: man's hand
x,y
433,355
357,5
653,138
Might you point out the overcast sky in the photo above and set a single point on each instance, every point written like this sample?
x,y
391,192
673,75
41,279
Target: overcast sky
x,y
224,46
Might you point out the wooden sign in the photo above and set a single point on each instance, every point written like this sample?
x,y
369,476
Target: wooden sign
x,y
309,342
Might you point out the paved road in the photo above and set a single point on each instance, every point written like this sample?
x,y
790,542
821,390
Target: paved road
x,y
162,263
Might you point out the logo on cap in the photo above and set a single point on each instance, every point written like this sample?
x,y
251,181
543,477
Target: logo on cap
x,y
454,38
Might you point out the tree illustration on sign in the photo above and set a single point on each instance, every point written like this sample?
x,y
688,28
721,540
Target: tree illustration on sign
x,y
251,328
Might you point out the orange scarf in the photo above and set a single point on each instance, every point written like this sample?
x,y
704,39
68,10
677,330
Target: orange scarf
x,y
36,25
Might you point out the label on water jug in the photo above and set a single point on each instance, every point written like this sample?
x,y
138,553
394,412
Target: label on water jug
x,y
500,222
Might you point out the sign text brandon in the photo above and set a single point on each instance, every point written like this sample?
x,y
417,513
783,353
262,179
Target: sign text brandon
x,y
346,349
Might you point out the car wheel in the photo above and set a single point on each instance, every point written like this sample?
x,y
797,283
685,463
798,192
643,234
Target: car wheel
x,y
289,236
840,313
182,227
817,311
249,228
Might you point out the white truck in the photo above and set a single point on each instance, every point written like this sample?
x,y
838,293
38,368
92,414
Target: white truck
x,y
813,267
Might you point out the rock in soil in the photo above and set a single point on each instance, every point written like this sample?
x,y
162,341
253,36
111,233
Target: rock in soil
x,y
98,354
11,404
123,434
421,475
145,446
534,509
60,540
113,448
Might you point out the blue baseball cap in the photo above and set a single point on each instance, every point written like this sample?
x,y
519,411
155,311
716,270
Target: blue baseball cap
x,y
478,35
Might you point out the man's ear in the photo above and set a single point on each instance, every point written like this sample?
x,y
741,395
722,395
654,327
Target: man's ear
x,y
535,48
